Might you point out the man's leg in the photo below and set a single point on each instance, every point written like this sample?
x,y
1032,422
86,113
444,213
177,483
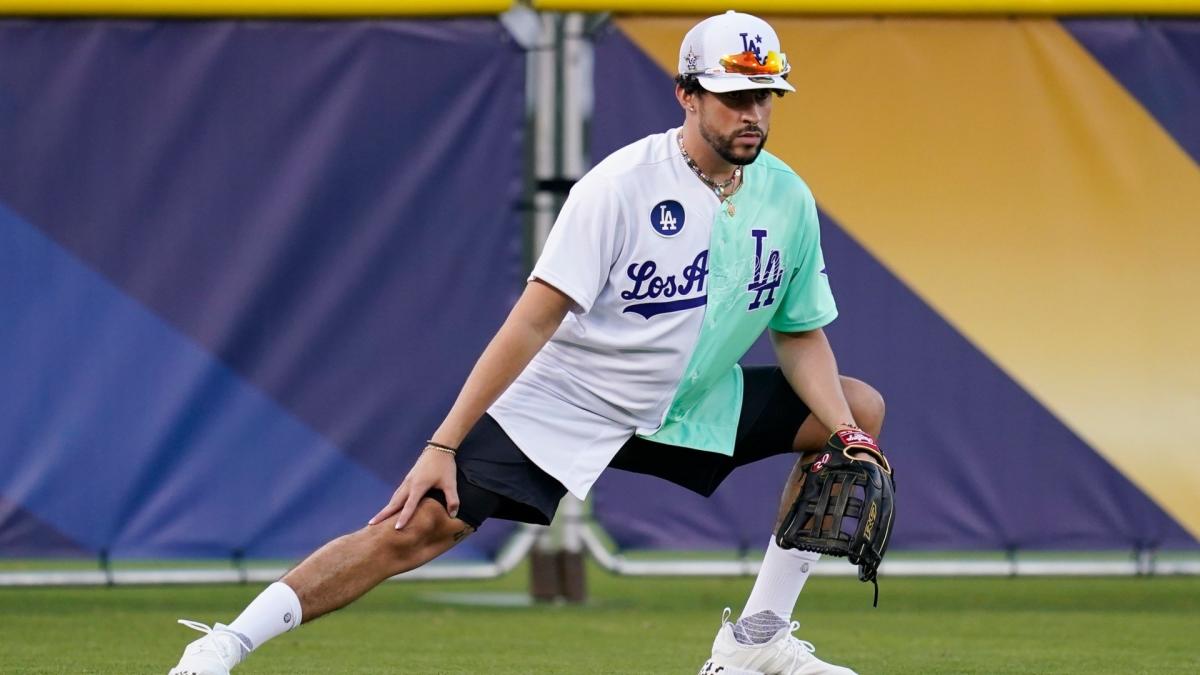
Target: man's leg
x,y
761,641
343,570
337,574
784,571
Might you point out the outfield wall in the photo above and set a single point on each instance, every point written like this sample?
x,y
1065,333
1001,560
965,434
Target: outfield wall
x,y
1010,219
245,265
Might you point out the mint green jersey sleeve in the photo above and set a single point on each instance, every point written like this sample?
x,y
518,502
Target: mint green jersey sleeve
x,y
808,303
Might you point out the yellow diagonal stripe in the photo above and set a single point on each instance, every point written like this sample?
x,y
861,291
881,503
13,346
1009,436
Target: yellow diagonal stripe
x,y
1010,181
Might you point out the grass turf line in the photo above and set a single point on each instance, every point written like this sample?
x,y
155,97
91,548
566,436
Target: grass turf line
x,y
633,625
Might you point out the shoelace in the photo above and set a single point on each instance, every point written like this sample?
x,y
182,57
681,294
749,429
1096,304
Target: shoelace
x,y
212,646
801,650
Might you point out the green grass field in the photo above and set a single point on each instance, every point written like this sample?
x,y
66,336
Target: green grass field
x,y
632,625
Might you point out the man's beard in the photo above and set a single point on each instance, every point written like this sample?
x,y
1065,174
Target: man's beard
x,y
723,145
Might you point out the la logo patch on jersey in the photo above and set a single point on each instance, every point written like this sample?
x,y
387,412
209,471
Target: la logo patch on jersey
x,y
768,274
667,217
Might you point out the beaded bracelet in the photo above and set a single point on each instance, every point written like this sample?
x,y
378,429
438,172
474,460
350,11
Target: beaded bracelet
x,y
443,448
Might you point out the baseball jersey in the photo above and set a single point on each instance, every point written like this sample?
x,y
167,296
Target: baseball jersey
x,y
670,287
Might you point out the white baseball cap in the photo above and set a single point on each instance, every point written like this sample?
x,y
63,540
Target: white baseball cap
x,y
734,51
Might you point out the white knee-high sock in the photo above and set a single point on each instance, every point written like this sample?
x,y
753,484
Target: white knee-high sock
x,y
780,581
274,612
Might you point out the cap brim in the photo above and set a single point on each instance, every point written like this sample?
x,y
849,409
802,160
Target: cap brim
x,y
723,84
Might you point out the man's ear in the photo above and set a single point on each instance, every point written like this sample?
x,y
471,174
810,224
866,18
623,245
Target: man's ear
x,y
684,98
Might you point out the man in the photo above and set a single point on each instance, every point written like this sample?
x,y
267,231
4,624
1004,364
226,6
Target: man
x,y
668,260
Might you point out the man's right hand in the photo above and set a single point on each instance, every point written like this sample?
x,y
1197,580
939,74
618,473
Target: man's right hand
x,y
434,470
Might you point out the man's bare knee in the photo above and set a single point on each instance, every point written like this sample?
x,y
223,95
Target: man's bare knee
x,y
866,404
430,532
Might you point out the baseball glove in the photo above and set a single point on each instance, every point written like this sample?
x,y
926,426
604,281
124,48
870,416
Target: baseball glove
x,y
846,504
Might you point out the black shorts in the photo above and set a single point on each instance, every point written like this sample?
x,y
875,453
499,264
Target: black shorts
x,y
496,480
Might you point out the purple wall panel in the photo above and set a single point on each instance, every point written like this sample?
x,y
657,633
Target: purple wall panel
x,y
24,535
1156,60
330,221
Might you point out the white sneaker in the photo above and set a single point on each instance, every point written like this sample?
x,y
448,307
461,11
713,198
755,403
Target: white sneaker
x,y
783,654
214,654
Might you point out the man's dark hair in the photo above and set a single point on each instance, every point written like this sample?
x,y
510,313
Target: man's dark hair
x,y
691,85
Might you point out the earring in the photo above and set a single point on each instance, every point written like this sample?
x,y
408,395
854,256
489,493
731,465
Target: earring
x,y
693,108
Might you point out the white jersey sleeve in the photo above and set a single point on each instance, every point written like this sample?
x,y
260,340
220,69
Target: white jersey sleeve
x,y
584,243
